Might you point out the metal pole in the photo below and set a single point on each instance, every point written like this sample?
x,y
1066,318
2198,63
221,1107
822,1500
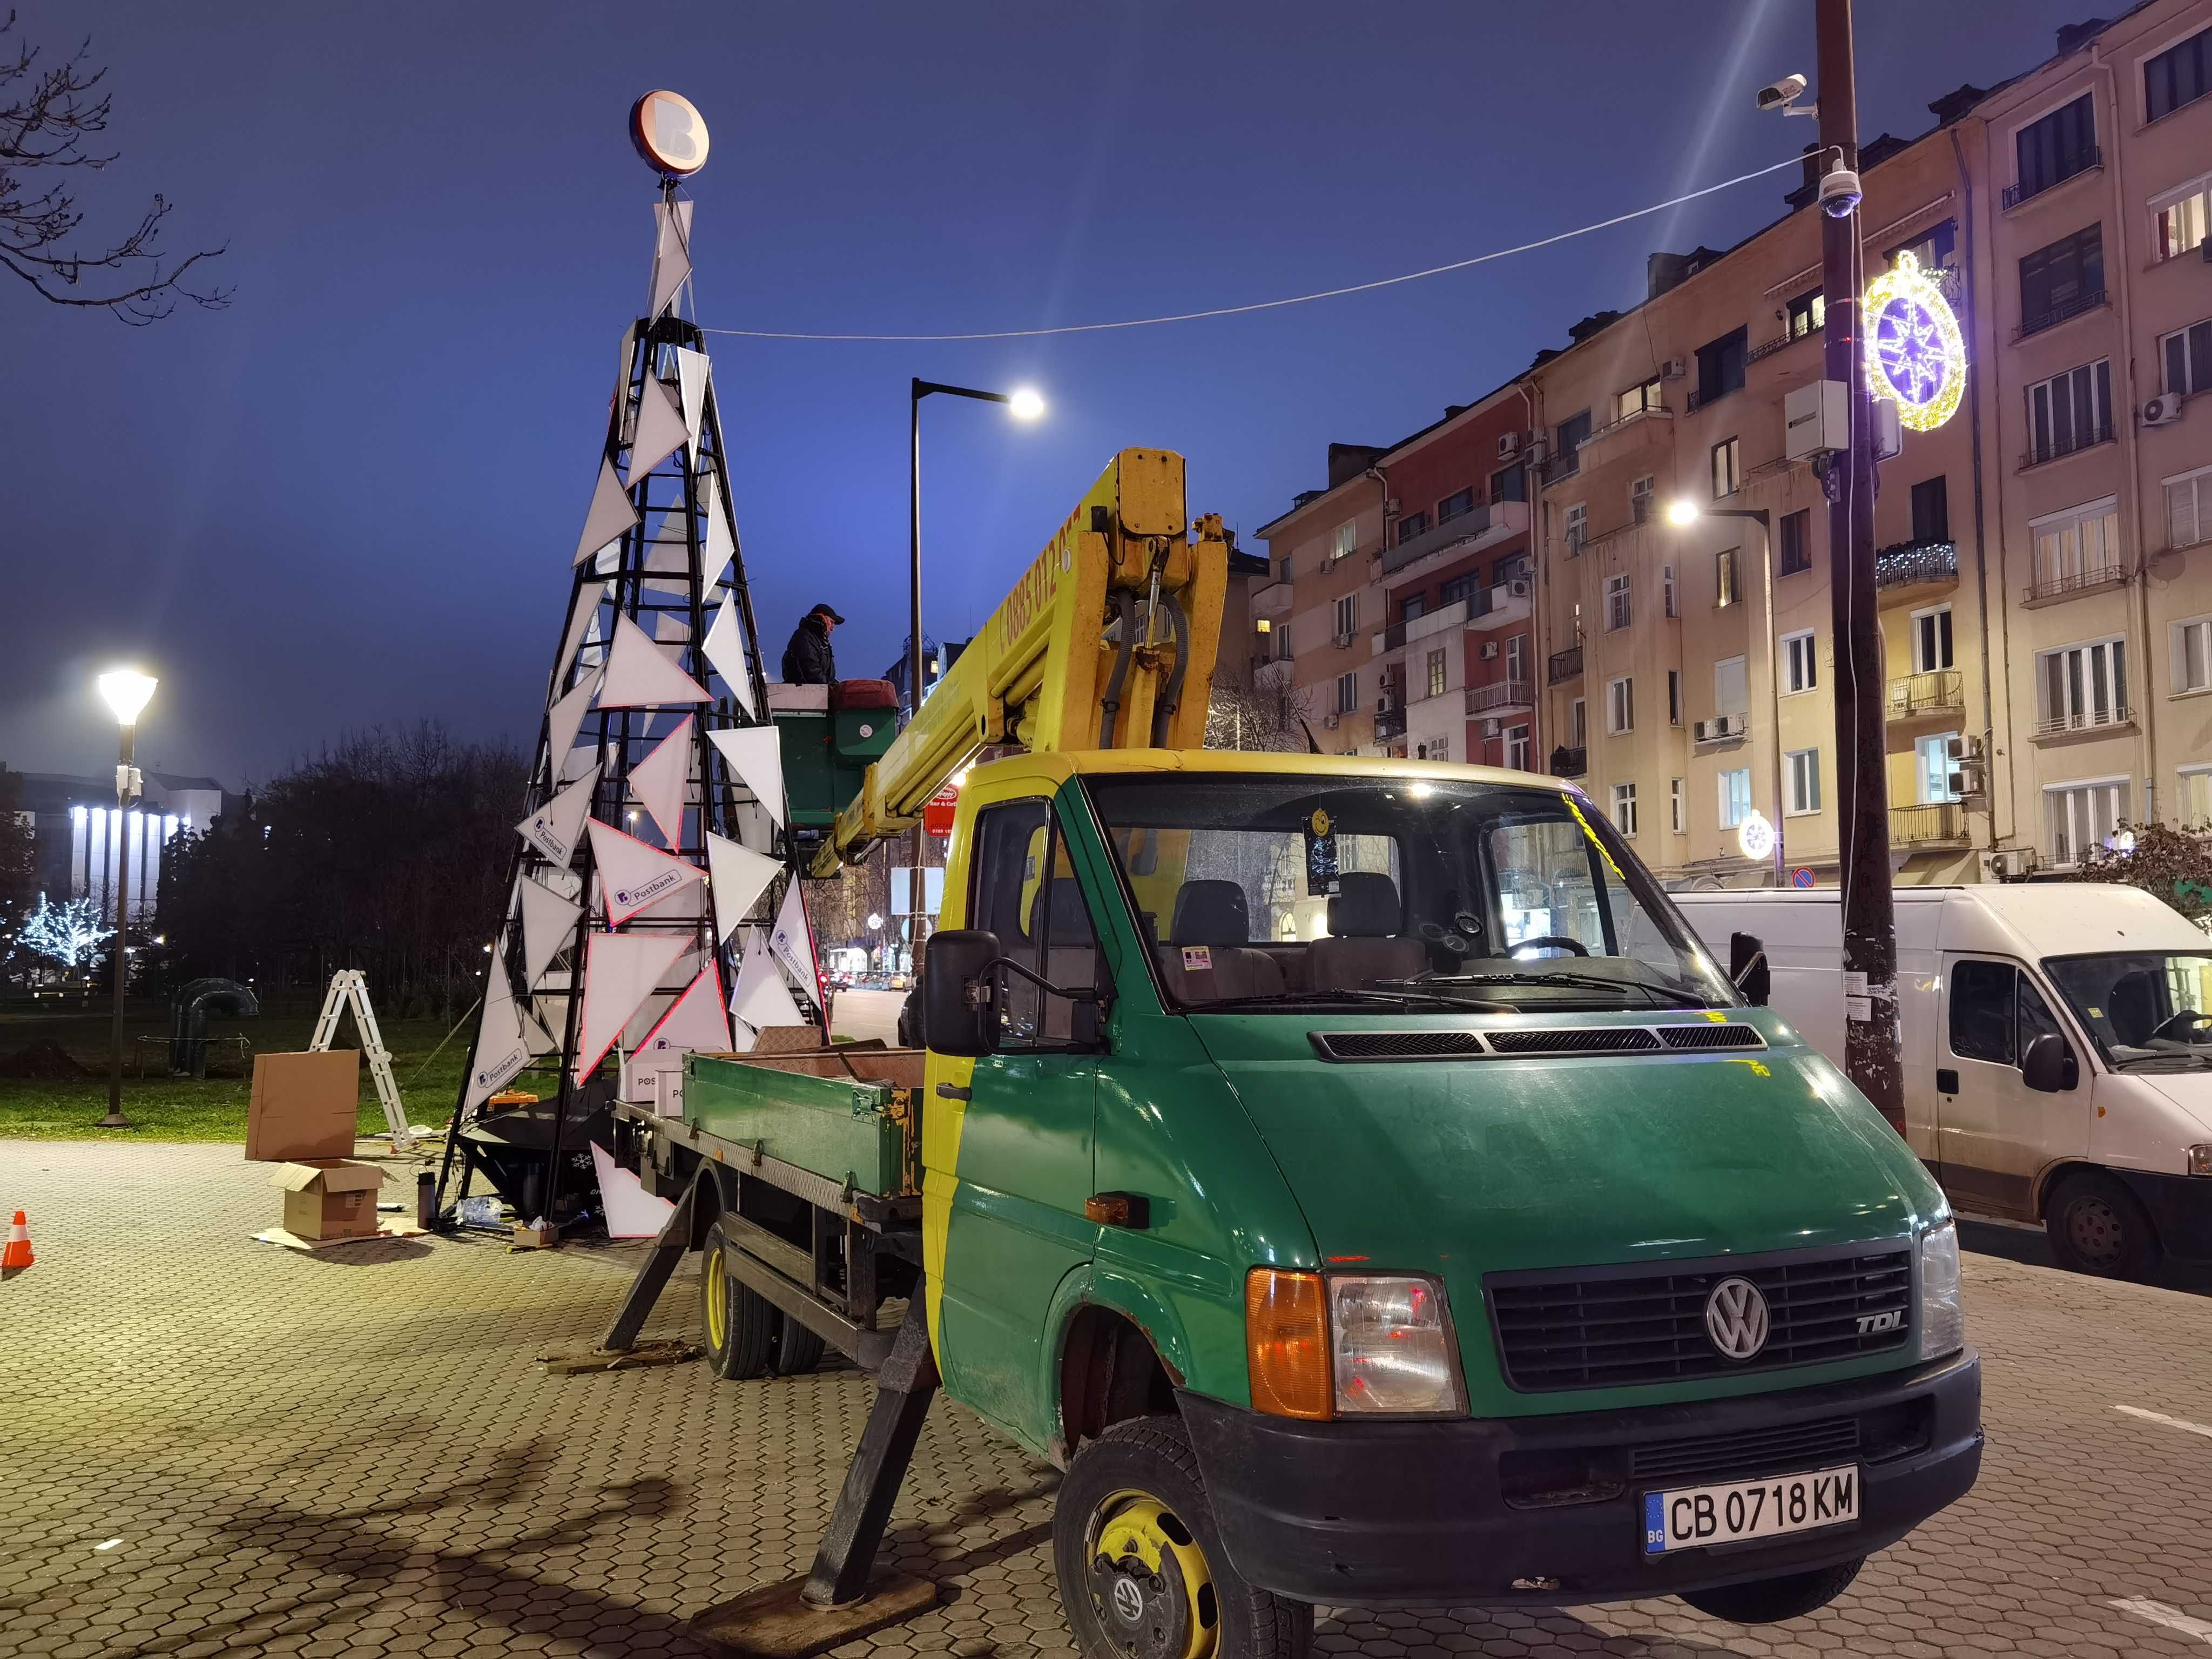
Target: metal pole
x,y
1774,678
917,883
115,1120
1870,1051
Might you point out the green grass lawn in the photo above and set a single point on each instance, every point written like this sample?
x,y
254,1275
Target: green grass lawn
x,y
162,1107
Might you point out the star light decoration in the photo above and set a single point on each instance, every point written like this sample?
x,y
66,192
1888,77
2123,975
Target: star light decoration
x,y
1916,355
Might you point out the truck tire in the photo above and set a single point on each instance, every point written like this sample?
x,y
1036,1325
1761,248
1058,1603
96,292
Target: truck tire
x,y
740,1324
1770,1600
2098,1227
1142,1572
798,1350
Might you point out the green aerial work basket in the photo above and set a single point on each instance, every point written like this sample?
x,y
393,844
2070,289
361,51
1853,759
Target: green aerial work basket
x,y
829,734
847,1114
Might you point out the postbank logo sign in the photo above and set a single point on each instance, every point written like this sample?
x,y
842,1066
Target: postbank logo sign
x,y
647,892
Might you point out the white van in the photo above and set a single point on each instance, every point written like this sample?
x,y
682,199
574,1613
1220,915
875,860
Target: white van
x,y
2057,1065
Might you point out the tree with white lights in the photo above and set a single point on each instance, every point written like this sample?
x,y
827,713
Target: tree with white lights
x,y
69,932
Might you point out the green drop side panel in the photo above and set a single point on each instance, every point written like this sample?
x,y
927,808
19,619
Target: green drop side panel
x,y
834,1127
826,756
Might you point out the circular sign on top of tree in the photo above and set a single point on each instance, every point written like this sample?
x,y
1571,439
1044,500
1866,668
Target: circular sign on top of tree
x,y
1915,354
669,133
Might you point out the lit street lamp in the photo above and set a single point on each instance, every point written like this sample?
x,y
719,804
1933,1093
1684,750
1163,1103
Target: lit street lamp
x,y
126,692
1681,512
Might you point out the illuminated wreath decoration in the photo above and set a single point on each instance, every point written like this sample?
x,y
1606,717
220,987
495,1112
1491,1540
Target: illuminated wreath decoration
x,y
1915,355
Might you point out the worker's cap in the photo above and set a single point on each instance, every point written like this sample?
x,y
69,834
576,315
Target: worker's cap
x,y
824,611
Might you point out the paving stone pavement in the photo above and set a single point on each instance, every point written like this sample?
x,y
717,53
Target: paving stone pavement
x,y
210,1447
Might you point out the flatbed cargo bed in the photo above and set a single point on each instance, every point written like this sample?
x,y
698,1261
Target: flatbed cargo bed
x,y
848,1115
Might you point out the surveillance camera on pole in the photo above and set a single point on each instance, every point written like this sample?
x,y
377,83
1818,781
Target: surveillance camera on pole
x,y
1782,96
1840,190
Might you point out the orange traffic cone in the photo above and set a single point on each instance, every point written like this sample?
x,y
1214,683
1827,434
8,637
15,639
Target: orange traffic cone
x,y
17,1255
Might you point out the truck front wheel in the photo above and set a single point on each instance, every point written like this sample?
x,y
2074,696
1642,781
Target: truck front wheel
x,y
740,1323
1142,1572
2096,1226
1770,1600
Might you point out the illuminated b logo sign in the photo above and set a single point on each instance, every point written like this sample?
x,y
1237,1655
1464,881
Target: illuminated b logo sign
x,y
669,132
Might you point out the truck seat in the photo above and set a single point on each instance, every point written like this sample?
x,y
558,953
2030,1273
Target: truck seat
x,y
1212,913
1364,916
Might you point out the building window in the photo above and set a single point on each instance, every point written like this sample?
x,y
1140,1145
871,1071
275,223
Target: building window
x,y
1413,525
2061,279
1511,568
1638,400
1436,666
1568,437
1667,587
1456,503
1931,510
2179,75
1808,314
2196,802
1624,809
2069,411
1348,540
1731,686
1678,817
1577,522
1797,541
1347,617
1458,587
1931,640
1727,468
2193,655
1439,748
1720,366
1735,797
2189,508
1800,666
1932,757
2082,816
1724,588
1639,499
2178,221
1801,771
1413,605
1619,706
2083,687
1618,612
1516,748
2054,149
1673,696
1348,693
1506,485
2078,548
1930,250
1578,724
2187,355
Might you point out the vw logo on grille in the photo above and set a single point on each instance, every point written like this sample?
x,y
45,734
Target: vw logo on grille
x,y
1735,1318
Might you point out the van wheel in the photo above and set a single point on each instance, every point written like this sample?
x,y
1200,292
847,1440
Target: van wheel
x,y
2097,1226
1770,1600
798,1350
740,1324
1141,1569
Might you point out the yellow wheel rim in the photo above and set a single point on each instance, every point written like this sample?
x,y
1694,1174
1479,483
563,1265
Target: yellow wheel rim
x,y
717,1303
1139,1531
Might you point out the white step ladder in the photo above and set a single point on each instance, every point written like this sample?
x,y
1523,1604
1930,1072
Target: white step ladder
x,y
349,989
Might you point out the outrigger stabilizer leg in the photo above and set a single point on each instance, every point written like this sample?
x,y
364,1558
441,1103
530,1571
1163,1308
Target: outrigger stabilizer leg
x,y
844,1597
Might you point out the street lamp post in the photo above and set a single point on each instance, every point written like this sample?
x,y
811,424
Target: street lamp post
x,y
1024,405
126,692
1684,511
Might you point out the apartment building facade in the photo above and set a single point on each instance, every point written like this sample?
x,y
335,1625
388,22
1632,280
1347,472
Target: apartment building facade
x,y
1312,619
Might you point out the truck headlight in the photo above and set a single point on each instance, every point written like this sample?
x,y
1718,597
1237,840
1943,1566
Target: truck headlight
x,y
1390,1345
1942,1305
2200,1159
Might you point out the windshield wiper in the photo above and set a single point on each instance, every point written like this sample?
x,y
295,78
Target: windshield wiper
x,y
2126,1055
1660,996
1405,998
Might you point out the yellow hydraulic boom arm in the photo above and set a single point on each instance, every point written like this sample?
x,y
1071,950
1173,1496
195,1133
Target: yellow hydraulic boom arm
x,y
1108,642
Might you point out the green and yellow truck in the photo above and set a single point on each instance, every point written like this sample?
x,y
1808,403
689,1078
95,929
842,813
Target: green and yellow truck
x,y
1352,1172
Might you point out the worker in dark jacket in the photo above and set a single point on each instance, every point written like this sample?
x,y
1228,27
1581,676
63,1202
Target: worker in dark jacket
x,y
808,660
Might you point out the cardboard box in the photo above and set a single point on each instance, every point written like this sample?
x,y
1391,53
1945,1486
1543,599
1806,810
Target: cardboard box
x,y
330,1198
304,1107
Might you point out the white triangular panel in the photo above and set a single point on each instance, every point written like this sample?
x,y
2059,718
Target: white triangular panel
x,y
548,926
633,875
760,996
739,876
669,628
563,720
696,1019
792,942
658,783
611,514
640,676
753,754
501,1049
621,970
721,545
553,828
671,252
583,611
725,650
691,392
577,763
659,429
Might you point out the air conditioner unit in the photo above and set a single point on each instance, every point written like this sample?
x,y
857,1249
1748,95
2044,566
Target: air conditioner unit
x,y
1490,728
1343,640
1537,448
1720,728
2162,410
1390,506
1518,589
2005,864
1509,444
1673,369
1489,650
1330,720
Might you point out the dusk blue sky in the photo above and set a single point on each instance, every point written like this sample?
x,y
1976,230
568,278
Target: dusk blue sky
x,y
351,498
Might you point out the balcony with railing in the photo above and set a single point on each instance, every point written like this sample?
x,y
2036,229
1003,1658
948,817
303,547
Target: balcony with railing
x,y
1272,671
1636,430
1390,723
1929,823
2051,586
2086,437
1272,600
1401,635
1507,602
1471,532
2058,313
1500,697
2070,166
1569,763
1908,570
1566,665
1934,692
1560,468
2113,717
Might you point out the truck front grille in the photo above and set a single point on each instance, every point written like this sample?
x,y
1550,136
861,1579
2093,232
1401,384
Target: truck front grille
x,y
1612,1327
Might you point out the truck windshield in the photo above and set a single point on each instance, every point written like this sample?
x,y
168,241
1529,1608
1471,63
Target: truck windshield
x,y
2140,1007
1286,892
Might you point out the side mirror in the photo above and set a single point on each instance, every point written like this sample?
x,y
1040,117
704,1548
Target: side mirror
x,y
1748,968
2048,1067
959,1007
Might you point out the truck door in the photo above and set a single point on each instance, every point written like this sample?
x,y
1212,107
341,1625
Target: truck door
x,y
1022,1164
1994,1133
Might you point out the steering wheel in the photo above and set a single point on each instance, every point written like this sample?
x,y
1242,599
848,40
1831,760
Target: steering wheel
x,y
1545,941
2184,1026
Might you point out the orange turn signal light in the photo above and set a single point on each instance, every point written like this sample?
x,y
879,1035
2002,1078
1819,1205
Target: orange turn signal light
x,y
1286,1344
